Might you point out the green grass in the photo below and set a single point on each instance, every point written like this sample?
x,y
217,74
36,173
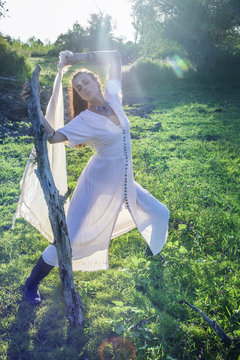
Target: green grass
x,y
191,164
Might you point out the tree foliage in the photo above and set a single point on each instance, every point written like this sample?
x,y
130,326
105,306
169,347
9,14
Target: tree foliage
x,y
3,9
100,36
97,35
203,28
11,62
74,39
33,41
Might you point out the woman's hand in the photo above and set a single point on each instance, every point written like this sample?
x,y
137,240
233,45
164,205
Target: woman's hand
x,y
26,92
65,59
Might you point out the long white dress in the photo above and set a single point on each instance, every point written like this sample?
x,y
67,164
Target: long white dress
x,y
107,202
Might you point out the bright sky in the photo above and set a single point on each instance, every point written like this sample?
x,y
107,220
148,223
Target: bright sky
x,y
46,19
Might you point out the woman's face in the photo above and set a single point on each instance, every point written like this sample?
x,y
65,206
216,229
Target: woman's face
x,y
86,86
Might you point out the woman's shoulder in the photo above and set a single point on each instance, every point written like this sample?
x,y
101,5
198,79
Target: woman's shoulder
x,y
79,120
81,117
113,90
88,119
84,115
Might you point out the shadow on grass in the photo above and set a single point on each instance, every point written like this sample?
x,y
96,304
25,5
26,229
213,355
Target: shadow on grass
x,y
19,345
42,332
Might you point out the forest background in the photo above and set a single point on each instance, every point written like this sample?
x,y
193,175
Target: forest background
x,y
181,94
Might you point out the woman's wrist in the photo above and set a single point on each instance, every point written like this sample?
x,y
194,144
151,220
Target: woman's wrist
x,y
49,130
50,135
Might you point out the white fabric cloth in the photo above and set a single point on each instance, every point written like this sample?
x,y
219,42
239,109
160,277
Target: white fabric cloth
x,y
107,202
31,204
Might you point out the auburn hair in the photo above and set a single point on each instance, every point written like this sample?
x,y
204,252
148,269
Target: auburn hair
x,y
77,104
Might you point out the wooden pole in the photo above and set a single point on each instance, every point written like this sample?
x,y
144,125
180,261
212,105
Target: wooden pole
x,y
55,203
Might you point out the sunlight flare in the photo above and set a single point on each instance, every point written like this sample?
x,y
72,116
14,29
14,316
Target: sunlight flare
x,y
178,65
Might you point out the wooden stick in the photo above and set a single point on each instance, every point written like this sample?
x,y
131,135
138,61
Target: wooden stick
x,y
224,337
55,202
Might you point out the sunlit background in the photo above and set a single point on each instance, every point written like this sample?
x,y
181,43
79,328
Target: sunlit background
x,y
46,19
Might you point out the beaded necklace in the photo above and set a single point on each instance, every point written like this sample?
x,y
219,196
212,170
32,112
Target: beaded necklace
x,y
102,109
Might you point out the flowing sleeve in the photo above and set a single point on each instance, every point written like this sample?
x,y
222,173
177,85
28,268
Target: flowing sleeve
x,y
113,91
78,131
31,204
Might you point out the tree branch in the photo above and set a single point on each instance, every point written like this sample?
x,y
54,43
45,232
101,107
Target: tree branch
x,y
55,202
224,337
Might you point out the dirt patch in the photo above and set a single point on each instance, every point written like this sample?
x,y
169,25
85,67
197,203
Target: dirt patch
x,y
141,110
14,120
13,111
141,107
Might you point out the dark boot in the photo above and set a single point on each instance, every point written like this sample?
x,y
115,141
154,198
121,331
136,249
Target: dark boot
x,y
40,270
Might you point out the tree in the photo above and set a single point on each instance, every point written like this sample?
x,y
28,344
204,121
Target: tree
x,y
98,35
129,50
99,32
203,28
55,203
74,39
32,41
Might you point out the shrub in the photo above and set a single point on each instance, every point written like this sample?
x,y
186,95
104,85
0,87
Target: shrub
x,y
11,63
146,74
224,67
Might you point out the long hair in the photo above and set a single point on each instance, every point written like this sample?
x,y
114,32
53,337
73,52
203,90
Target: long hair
x,y
77,104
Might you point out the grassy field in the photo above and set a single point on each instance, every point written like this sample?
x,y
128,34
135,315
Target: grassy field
x,y
190,162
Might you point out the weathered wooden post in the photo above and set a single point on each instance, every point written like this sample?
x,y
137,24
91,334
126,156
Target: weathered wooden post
x,y
55,203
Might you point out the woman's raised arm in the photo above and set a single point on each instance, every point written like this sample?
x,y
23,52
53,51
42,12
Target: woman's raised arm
x,y
112,57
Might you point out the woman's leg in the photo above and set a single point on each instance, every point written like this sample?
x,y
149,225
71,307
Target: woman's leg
x,y
39,272
49,255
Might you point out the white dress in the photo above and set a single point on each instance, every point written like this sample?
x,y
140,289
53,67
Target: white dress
x,y
107,202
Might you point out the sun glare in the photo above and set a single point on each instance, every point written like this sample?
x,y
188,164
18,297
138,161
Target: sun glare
x,y
178,65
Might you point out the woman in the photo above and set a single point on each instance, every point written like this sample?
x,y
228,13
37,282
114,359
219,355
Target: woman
x,y
107,202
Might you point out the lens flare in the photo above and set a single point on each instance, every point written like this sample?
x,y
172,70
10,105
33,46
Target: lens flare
x,y
116,348
178,65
